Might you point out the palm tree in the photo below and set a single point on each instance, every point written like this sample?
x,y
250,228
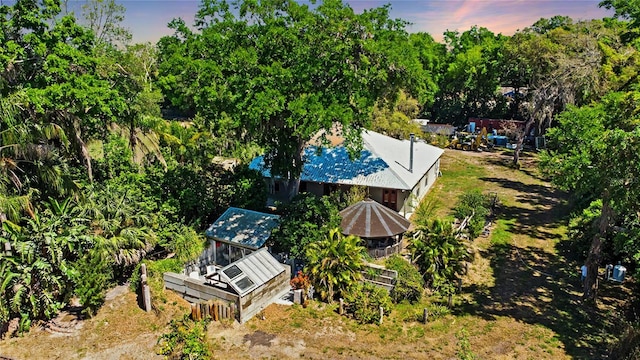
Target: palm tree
x,y
120,229
440,255
334,263
27,159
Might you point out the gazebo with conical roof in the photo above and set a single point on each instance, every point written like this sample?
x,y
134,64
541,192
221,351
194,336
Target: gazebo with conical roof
x,y
378,225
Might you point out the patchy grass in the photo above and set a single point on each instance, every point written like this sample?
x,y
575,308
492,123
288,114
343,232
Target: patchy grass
x,y
501,234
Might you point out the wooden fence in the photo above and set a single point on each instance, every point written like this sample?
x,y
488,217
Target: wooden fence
x,y
386,251
216,311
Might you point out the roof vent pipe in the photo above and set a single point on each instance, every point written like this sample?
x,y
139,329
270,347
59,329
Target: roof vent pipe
x,y
411,136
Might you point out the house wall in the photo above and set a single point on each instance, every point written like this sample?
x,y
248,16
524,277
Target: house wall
x,y
196,291
408,201
263,296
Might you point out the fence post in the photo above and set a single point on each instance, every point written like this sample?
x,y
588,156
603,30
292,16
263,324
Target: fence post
x,y
425,315
341,308
194,314
146,293
7,248
381,314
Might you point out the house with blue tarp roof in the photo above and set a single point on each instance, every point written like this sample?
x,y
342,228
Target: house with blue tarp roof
x,y
397,173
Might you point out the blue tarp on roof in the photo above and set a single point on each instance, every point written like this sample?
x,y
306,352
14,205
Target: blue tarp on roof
x,y
384,162
332,165
246,228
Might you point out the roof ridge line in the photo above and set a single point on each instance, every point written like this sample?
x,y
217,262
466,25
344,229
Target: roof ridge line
x,y
407,187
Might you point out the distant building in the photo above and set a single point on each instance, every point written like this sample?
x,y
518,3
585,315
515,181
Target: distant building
x,y
439,129
495,124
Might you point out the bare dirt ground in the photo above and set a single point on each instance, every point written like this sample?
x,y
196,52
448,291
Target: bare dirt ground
x,y
520,299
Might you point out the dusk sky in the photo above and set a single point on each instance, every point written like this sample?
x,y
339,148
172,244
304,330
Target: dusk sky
x,y
147,19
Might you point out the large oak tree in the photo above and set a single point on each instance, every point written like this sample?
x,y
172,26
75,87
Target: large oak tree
x,y
276,72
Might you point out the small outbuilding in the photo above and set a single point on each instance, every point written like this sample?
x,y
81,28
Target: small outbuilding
x,y
379,226
237,233
245,286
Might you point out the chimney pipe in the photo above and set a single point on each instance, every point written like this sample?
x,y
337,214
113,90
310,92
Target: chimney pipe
x,y
411,136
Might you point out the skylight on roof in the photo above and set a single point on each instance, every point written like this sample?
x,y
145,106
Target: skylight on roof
x,y
232,272
244,283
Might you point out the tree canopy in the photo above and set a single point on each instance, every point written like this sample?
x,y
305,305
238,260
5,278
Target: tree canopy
x,y
277,72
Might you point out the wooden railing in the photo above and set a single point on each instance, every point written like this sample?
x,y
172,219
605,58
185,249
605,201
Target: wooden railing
x,y
385,251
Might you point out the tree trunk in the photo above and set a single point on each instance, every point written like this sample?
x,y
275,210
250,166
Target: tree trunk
x,y
293,186
590,290
520,141
293,181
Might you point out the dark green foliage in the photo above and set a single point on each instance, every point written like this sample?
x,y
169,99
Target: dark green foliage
x,y
116,159
92,277
186,340
211,190
470,80
473,203
199,202
247,189
438,253
331,65
334,263
306,219
583,227
409,284
364,301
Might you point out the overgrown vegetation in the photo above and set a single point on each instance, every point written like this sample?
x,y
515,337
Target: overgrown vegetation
x,y
305,219
94,181
365,300
409,284
476,205
186,340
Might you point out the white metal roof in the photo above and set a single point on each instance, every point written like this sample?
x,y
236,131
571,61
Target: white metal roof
x,y
251,272
396,154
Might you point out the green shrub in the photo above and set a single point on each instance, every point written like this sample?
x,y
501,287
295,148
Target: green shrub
x,y
182,240
476,203
92,276
437,311
155,271
364,302
464,347
409,284
185,340
306,219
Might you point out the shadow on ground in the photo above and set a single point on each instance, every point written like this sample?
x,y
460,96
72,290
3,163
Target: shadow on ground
x,y
538,287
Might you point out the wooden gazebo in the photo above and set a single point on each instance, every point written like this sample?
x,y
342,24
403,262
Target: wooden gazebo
x,y
375,223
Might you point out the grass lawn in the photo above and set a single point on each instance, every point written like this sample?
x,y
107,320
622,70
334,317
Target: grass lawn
x,y
520,300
